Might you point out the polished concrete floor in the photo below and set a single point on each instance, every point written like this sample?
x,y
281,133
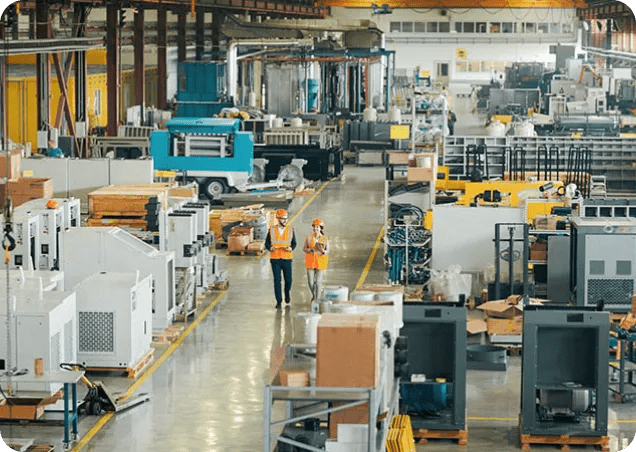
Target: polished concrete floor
x,y
206,391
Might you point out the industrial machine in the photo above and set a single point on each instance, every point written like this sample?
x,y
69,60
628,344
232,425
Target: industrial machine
x,y
51,224
564,391
212,152
43,326
602,262
85,251
434,392
43,280
205,237
114,319
523,75
26,232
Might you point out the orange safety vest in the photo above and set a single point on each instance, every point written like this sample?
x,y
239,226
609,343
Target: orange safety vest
x,y
280,241
313,260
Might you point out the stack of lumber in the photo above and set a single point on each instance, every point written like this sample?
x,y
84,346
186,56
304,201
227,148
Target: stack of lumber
x,y
132,205
219,218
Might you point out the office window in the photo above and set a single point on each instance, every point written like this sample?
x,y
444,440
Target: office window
x,y
469,27
407,27
555,28
529,27
461,66
395,26
508,27
431,27
495,27
542,27
419,27
480,27
458,27
474,66
444,27
567,27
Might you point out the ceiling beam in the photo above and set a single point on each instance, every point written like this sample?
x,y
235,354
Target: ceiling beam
x,y
475,4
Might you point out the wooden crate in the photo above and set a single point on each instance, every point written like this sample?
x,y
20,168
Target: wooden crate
x,y
25,189
126,199
14,164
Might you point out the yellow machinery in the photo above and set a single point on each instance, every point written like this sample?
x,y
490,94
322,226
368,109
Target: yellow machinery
x,y
509,190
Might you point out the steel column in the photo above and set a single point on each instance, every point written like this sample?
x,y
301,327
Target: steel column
x,y
181,37
200,34
216,34
81,87
112,67
43,71
61,80
3,95
161,59
140,63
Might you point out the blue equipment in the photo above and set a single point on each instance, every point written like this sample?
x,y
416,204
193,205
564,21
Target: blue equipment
x,y
211,151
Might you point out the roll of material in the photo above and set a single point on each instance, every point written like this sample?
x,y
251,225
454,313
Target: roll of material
x,y
397,298
278,123
306,327
359,295
336,293
343,308
324,306
296,122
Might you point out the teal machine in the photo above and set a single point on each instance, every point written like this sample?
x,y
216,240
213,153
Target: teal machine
x,y
210,151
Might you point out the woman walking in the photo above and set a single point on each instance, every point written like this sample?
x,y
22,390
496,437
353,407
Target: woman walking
x,y
316,257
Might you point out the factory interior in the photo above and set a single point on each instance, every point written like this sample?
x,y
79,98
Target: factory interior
x,y
326,226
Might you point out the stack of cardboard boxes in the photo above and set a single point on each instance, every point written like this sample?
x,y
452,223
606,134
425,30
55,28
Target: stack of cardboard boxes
x,y
503,317
21,189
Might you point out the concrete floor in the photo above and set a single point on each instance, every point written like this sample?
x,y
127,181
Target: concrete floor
x,y
207,391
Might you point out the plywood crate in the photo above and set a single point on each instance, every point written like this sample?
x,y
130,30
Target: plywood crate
x,y
14,164
126,199
27,188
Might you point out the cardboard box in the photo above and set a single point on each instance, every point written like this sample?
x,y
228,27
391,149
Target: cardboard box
x,y
25,189
348,351
512,326
503,309
355,415
414,175
247,231
545,222
476,326
294,378
422,160
14,164
539,250
237,243
398,158
22,408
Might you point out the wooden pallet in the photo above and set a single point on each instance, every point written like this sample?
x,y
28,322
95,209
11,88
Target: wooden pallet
x,y
126,199
134,222
220,285
254,248
168,336
133,372
422,436
184,316
41,448
514,350
565,441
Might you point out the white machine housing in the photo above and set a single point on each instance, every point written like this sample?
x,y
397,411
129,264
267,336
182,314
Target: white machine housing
x,y
206,239
26,232
70,210
85,251
43,326
178,233
51,225
114,319
20,279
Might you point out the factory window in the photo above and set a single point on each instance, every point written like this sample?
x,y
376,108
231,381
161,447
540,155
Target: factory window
x,y
461,66
529,27
469,27
458,27
555,28
407,27
480,27
98,102
474,66
444,27
495,27
597,267
431,27
395,26
542,27
419,27
624,268
567,27
508,27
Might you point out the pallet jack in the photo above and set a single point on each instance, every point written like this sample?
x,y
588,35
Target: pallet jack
x,y
99,399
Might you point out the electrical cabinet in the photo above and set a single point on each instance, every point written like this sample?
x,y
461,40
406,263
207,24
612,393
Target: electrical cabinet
x,y
114,319
179,234
42,326
205,237
26,232
603,262
85,251
51,225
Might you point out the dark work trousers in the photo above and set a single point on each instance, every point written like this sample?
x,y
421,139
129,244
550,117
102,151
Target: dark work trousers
x,y
284,265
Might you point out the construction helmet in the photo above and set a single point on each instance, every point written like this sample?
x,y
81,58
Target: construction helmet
x,y
318,222
281,213
51,204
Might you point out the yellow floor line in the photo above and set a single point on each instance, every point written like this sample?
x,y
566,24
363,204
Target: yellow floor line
x,y
106,417
374,251
307,203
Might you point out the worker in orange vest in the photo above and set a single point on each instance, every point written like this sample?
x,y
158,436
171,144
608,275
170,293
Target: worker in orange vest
x,y
281,242
316,258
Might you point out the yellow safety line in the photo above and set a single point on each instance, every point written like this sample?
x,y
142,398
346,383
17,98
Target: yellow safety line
x,y
106,417
374,251
308,202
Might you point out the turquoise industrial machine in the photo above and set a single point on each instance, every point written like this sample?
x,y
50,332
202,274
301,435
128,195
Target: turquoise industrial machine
x,y
211,151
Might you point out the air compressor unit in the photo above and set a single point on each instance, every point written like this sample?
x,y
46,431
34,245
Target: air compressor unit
x,y
42,326
85,251
26,232
51,225
205,237
603,262
114,319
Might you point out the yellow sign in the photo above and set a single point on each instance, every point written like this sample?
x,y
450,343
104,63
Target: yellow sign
x,y
27,173
399,132
425,73
460,53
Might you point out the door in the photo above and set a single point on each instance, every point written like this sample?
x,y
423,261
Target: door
x,y
441,73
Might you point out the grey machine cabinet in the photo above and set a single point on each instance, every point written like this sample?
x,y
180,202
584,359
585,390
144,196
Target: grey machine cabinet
x,y
603,262
436,335
564,379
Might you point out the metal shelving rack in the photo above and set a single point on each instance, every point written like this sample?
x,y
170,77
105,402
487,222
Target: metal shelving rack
x,y
624,369
316,402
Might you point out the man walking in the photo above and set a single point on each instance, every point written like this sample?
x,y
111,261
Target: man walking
x,y
281,242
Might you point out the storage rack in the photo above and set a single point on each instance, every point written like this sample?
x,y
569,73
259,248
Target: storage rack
x,y
610,156
310,402
624,368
